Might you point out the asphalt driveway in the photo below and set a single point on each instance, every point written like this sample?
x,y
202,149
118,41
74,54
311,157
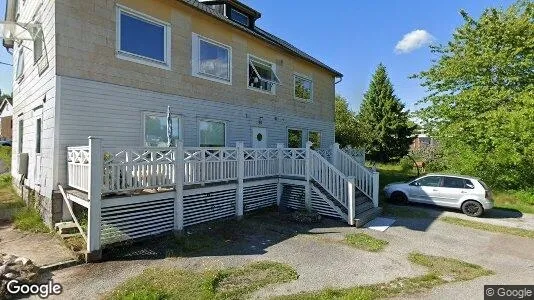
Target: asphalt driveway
x,y
323,262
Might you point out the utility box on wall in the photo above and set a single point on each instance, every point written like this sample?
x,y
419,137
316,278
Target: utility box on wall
x,y
23,164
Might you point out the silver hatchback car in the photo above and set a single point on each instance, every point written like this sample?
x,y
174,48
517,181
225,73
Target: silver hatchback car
x,y
469,194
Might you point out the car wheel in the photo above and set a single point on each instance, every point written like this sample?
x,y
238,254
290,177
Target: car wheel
x,y
399,198
472,208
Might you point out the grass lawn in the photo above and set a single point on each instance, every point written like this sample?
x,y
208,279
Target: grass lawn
x,y
441,270
231,283
489,227
365,242
8,198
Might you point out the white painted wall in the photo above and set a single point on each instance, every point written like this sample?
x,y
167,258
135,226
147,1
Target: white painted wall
x,y
115,114
29,95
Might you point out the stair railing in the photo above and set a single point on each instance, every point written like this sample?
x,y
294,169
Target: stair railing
x,y
365,179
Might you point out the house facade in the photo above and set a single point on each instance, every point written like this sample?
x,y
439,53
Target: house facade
x,y
110,69
6,119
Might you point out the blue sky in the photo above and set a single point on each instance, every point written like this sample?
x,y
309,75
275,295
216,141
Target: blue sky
x,y
355,36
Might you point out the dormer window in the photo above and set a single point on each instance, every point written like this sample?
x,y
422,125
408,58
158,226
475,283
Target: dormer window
x,y
239,17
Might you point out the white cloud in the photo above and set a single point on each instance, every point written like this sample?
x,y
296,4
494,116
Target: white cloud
x,y
413,40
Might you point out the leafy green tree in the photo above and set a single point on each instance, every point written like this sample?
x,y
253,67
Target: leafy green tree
x,y
347,131
386,129
481,101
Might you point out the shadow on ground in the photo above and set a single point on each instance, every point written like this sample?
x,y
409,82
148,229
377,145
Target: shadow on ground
x,y
250,236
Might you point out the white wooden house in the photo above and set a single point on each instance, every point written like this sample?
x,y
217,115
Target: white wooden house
x,y
6,119
244,106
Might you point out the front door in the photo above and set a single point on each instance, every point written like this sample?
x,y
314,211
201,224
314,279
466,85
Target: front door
x,y
259,137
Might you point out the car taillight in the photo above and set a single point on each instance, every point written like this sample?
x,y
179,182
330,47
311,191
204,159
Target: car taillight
x,y
488,195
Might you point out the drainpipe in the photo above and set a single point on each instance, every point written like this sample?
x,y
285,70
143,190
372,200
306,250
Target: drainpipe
x,y
340,79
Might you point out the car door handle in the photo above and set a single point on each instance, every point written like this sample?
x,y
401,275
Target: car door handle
x,y
463,192
434,190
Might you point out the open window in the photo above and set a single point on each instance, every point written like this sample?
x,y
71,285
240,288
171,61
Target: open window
x,y
262,75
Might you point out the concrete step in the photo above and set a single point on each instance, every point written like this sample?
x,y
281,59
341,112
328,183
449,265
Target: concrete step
x,y
366,216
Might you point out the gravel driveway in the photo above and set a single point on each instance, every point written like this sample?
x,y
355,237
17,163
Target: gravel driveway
x,y
321,262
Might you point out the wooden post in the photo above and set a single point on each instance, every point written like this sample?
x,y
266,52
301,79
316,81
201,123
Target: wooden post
x,y
376,178
96,168
335,155
308,170
279,187
351,201
179,165
240,175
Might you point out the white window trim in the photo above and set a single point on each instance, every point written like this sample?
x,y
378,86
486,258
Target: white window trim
x,y
240,13
261,60
215,121
195,59
20,76
302,76
302,143
161,114
166,64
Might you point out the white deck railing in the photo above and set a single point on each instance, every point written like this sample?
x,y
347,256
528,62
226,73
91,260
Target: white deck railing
x,y
135,168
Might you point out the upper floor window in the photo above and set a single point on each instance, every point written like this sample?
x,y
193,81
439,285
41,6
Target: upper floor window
x,y
38,46
303,88
239,17
211,60
262,75
142,39
20,64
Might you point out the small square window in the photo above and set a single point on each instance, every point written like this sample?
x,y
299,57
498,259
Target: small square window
x,y
239,17
303,88
142,39
294,138
155,133
212,133
262,75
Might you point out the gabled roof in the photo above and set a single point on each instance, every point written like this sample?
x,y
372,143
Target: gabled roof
x,y
262,34
5,102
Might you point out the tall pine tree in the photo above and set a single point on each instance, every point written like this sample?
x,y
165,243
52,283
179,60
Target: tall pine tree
x,y
385,128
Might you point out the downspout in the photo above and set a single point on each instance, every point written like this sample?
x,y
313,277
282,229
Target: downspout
x,y
340,79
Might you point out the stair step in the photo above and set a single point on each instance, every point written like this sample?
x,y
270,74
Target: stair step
x,y
362,199
365,206
366,216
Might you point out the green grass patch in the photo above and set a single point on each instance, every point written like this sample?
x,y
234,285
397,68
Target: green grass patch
x,y
232,283
390,173
405,212
522,201
5,156
8,198
489,227
28,219
440,271
365,242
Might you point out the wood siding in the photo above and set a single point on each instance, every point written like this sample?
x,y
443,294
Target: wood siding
x,y
115,114
86,49
34,96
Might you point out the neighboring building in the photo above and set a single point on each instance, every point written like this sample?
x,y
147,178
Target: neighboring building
x,y
110,69
421,141
6,119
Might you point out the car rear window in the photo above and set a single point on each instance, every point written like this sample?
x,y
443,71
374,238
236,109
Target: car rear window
x,y
484,185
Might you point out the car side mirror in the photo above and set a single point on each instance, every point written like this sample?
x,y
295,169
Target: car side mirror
x,y
415,183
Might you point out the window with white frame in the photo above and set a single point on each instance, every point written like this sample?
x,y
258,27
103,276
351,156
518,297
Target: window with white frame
x,y
303,88
294,138
211,60
142,39
315,138
20,64
155,130
38,46
21,135
239,17
212,133
262,75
